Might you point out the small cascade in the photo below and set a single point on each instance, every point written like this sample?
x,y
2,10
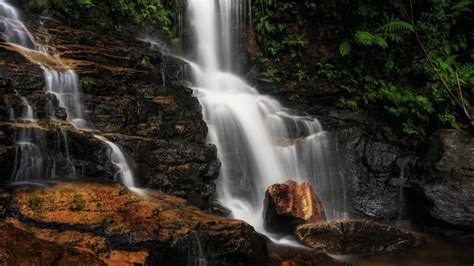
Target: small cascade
x,y
12,29
30,159
259,142
64,85
196,255
402,165
117,157
29,163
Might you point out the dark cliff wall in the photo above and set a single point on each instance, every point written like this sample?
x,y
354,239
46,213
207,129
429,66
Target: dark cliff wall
x,y
132,94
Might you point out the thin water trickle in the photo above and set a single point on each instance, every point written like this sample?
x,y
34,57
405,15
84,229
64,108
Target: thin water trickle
x,y
64,85
196,255
259,142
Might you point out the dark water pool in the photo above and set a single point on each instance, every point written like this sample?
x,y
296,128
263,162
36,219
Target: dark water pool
x,y
459,251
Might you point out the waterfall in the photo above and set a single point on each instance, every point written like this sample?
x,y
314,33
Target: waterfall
x,y
64,85
259,142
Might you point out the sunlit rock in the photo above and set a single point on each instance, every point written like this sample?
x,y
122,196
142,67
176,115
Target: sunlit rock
x,y
20,248
114,224
290,204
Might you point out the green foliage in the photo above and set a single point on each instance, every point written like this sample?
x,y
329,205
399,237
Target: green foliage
x,y
367,39
156,120
145,63
271,73
78,203
118,15
412,65
34,202
349,103
293,97
87,82
345,48
281,40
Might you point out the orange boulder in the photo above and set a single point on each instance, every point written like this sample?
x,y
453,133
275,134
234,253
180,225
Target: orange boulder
x,y
290,204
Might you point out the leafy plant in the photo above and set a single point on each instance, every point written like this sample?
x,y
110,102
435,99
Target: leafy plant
x,y
408,61
87,82
145,63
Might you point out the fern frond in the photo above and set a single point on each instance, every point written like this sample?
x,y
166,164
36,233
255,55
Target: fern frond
x,y
345,48
395,26
380,42
462,6
364,37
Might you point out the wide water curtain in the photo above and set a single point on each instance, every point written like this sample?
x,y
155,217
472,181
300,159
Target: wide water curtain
x,y
259,142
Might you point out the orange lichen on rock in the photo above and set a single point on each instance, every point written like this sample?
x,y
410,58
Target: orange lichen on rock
x,y
101,218
290,204
126,258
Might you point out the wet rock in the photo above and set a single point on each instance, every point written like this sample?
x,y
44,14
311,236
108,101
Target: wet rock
x,y
120,257
449,171
104,218
356,237
370,165
290,204
292,256
84,155
20,248
152,117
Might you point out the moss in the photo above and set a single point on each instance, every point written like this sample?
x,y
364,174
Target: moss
x,y
34,202
155,120
87,82
145,63
78,203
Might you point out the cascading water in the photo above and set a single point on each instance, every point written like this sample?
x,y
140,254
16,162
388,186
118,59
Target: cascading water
x,y
64,85
259,142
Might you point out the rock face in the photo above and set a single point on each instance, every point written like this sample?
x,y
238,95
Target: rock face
x,y
20,248
290,204
371,157
114,224
449,172
355,237
375,169
132,94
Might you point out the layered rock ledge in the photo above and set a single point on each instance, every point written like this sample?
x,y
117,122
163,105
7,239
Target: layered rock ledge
x,y
131,94
110,223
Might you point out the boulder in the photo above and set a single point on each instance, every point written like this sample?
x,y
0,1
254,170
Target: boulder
x,y
293,256
20,248
290,204
449,173
356,237
115,224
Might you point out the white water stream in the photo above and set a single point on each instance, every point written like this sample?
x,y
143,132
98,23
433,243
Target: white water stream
x,y
64,85
259,142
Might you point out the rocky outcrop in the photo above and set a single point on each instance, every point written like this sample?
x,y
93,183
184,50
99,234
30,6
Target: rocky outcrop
x,y
148,226
290,204
132,94
356,237
448,168
376,171
20,248
373,160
